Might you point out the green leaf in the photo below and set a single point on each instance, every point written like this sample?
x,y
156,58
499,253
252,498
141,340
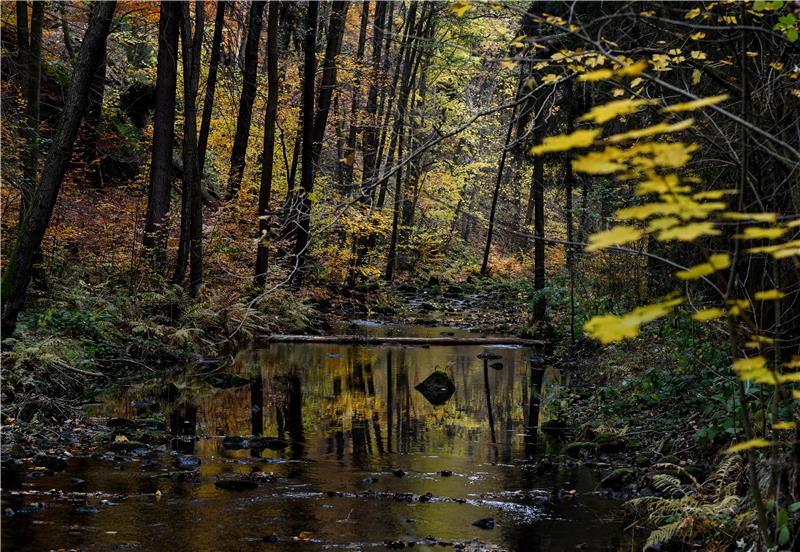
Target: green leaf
x,y
791,35
794,506
783,535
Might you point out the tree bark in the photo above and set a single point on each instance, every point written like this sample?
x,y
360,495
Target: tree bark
x,y
307,152
250,77
37,219
191,240
370,135
211,85
350,147
33,73
161,173
23,43
265,193
537,192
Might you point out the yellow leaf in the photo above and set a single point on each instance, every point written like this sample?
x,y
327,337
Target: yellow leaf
x,y
120,439
776,65
549,77
789,378
660,128
769,295
602,113
793,223
794,363
600,162
697,75
615,236
698,35
708,314
636,82
760,217
563,142
796,394
507,63
632,70
747,445
461,7
661,224
715,262
695,104
611,328
691,14
758,233
600,74
784,426
713,194
657,184
689,232
697,54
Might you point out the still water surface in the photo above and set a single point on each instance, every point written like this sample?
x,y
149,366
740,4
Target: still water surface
x,y
363,448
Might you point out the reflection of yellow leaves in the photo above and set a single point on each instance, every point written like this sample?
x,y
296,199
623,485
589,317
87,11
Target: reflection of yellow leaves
x,y
708,314
563,142
695,104
602,113
689,232
715,262
618,235
660,128
769,295
611,328
747,445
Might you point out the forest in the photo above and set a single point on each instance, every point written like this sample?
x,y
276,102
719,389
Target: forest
x,y
469,275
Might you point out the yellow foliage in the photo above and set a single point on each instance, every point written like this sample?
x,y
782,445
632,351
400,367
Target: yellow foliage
x,y
713,194
599,162
460,8
784,426
716,262
689,232
615,236
611,328
769,295
747,445
757,233
600,74
695,104
563,142
660,128
658,184
603,113
708,314
760,217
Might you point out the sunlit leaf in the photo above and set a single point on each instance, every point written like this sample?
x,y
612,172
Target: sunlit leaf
x,y
758,233
563,142
461,7
784,426
617,235
715,262
747,445
660,128
606,112
709,314
769,295
695,104
611,328
689,232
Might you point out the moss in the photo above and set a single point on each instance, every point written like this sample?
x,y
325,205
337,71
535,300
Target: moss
x,y
574,449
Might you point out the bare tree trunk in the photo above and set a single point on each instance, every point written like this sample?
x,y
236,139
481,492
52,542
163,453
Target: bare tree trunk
x,y
307,172
370,135
537,192
250,77
161,173
192,207
23,43
350,148
262,255
211,85
65,31
16,276
33,72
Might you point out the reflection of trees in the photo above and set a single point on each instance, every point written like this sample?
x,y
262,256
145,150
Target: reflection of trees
x,y
183,424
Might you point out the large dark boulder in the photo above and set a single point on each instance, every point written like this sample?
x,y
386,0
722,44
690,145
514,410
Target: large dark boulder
x,y
437,388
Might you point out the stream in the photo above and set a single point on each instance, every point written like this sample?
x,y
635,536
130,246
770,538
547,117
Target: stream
x,y
347,454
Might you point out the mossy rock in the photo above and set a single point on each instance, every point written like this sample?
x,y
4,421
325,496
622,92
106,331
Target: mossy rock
x,y
574,449
618,478
607,442
126,446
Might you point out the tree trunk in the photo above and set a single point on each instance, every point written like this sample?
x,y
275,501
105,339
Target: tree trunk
x,y
18,270
307,153
191,241
350,147
537,192
23,43
90,137
370,136
161,173
262,255
65,31
211,85
250,77
33,73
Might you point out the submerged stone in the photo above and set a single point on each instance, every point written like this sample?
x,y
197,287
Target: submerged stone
x,y
485,523
187,462
496,366
437,388
235,484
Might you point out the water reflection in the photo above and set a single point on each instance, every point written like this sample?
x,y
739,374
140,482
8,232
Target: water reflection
x,y
355,425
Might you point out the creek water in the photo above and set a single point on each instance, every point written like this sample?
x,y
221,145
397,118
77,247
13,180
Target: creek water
x,y
363,460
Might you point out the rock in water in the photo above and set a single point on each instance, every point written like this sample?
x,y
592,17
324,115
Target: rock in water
x,y
485,523
437,388
235,484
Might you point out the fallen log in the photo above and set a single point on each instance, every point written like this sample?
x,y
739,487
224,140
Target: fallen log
x,y
378,340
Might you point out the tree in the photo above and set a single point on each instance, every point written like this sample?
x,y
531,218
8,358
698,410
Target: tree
x,y
32,86
161,171
307,153
37,218
265,193
211,84
191,240
248,96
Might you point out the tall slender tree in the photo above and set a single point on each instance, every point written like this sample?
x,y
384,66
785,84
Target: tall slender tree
x,y
17,274
191,240
161,172
211,84
265,193
248,96
33,77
